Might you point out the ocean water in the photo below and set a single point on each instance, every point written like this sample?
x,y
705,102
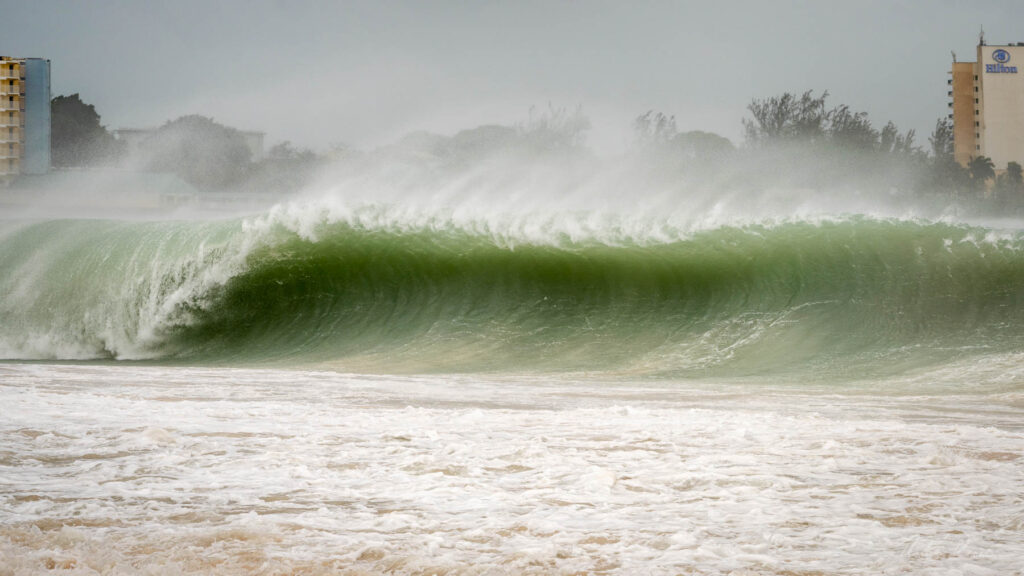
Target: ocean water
x,y
369,388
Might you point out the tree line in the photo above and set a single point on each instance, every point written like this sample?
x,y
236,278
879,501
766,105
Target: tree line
x,y
806,123
789,139
206,154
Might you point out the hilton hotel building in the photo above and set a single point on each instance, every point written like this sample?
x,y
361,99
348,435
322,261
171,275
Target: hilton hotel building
x,y
988,105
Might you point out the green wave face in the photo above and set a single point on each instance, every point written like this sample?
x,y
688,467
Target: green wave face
x,y
843,298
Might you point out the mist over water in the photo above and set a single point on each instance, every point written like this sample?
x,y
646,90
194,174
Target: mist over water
x,y
497,249
449,358
592,339
435,254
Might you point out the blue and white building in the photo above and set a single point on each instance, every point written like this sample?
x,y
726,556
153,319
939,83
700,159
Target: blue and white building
x,y
24,116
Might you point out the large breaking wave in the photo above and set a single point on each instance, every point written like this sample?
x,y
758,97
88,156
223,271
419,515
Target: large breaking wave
x,y
377,290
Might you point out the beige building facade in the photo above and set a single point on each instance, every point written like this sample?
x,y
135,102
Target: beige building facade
x,y
24,117
12,118
987,105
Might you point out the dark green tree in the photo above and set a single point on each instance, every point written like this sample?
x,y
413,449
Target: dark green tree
x,y
1014,174
285,169
286,152
941,139
703,146
1009,187
890,141
76,136
945,175
202,152
653,129
981,170
787,118
851,130
800,140
805,120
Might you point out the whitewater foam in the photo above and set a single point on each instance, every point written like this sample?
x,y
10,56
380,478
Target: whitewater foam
x,y
117,470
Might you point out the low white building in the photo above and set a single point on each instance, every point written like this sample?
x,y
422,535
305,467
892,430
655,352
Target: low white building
x,y
134,138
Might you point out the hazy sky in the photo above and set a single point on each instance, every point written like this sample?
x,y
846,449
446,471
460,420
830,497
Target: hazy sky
x,y
364,73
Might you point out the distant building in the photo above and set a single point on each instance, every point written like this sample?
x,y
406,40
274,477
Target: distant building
x,y
988,105
134,138
24,116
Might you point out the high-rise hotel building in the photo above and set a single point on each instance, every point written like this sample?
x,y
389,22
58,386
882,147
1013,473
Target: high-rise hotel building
x,y
24,116
988,105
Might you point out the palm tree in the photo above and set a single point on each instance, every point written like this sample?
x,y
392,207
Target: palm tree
x,y
1009,185
1015,174
981,169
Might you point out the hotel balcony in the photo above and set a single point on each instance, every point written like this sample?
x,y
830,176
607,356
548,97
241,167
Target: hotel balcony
x,y
10,150
9,134
10,167
7,104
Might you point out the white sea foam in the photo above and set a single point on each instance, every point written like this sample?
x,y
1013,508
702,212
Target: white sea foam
x,y
126,470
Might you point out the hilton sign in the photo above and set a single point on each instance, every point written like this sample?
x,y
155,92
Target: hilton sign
x,y
1001,57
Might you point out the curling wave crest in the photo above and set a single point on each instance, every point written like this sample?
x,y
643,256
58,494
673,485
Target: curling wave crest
x,y
379,288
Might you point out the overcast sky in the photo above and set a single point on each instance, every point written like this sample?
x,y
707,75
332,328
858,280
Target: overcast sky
x,y
364,73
